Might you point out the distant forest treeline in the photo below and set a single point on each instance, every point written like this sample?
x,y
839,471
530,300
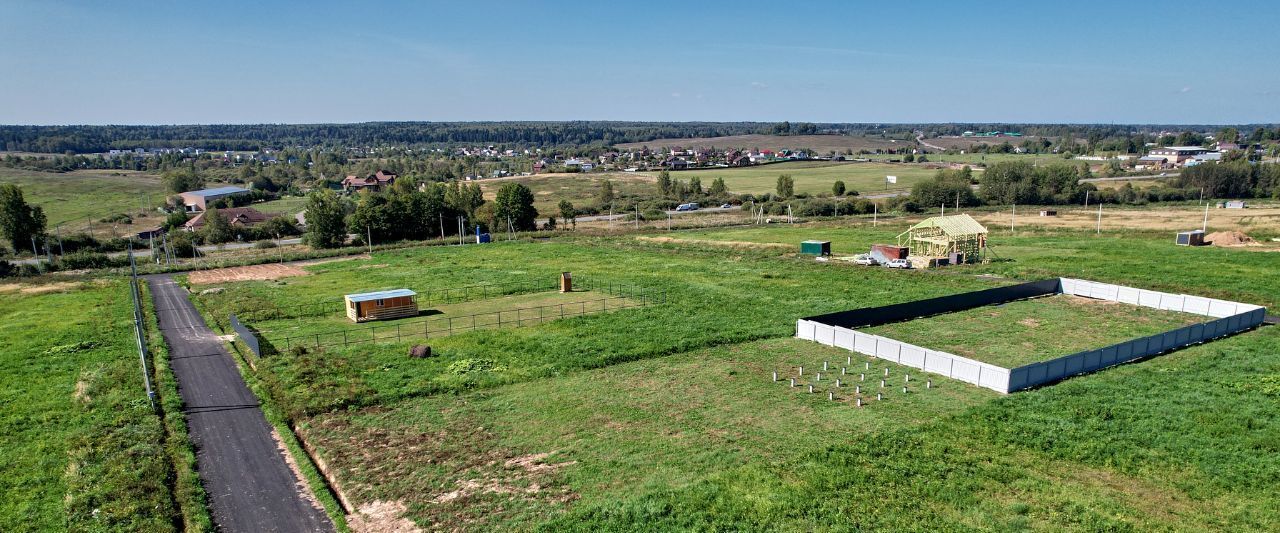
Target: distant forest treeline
x,y
90,139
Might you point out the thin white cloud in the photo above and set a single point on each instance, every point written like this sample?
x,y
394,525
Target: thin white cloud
x,y
759,85
1185,90
675,95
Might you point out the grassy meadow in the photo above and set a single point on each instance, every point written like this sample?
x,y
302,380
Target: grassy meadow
x,y
1034,330
79,200
81,449
813,177
666,417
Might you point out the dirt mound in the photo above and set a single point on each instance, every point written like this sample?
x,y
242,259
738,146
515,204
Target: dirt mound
x,y
1229,238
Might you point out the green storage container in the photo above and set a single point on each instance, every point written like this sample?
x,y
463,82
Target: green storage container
x,y
819,248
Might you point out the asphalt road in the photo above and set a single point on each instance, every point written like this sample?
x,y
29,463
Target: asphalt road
x,y
243,469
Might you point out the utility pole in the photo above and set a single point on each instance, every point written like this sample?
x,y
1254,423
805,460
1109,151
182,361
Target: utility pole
x,y
1099,218
1086,199
1013,217
369,237
1205,227
34,252
875,213
441,216
637,216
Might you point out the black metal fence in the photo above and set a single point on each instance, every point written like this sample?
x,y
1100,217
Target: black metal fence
x,y
620,297
432,296
246,336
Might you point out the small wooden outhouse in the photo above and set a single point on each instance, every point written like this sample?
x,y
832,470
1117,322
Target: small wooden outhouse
x,y
381,305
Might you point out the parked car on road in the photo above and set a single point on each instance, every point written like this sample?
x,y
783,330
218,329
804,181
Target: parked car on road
x,y
687,207
865,259
898,263
726,206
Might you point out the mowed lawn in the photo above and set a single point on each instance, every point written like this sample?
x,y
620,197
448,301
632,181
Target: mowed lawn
x,y
441,319
667,418
80,448
1026,331
709,298
812,177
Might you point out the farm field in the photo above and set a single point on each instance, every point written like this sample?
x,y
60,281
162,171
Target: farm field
x,y
821,144
665,417
442,319
580,189
80,447
1033,330
288,205
812,177
73,198
1134,257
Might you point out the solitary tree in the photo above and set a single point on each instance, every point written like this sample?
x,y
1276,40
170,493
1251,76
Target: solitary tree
x,y
837,188
515,204
19,222
786,187
569,213
606,192
183,180
664,183
217,229
325,227
718,187
695,186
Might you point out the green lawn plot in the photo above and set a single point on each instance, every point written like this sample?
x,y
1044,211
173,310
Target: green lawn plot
x,y
580,189
440,320
1027,331
71,197
80,447
1136,258
812,177
513,457
704,440
711,297
285,205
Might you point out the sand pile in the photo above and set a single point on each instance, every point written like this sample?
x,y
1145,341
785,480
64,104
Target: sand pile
x,y
1229,238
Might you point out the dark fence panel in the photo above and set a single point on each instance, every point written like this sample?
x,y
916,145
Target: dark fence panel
x,y
246,336
875,316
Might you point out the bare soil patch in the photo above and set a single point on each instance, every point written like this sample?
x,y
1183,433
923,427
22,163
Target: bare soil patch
x,y
381,517
729,244
245,273
1166,218
40,288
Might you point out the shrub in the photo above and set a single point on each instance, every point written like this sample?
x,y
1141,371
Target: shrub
x,y
80,260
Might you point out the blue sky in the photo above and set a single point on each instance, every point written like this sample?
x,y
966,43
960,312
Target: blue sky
x,y
126,62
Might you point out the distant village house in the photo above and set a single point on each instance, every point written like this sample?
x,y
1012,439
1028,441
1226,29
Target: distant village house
x,y
373,182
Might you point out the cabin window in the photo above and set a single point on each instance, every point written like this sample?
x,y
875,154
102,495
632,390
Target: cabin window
x,y
379,302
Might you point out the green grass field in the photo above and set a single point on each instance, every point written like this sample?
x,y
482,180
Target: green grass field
x,y
666,417
1034,330
71,197
288,205
81,449
508,311
813,177
581,190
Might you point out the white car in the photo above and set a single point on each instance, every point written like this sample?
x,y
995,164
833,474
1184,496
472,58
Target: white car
x,y
726,206
898,263
865,260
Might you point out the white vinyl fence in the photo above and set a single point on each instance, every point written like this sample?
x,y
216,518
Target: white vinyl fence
x,y
1228,318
